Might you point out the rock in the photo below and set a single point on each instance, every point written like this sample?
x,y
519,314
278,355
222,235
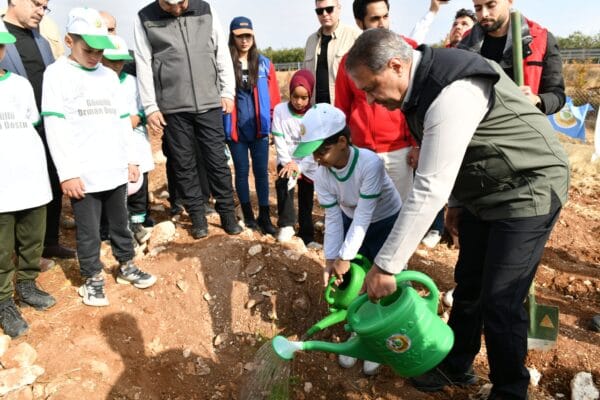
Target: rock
x,y
182,285
254,301
4,343
583,388
163,195
254,267
314,246
249,366
319,226
207,297
157,250
254,250
301,277
219,339
25,393
22,355
307,387
272,314
187,353
292,255
16,378
448,298
301,305
202,369
157,207
534,376
294,245
163,233
159,157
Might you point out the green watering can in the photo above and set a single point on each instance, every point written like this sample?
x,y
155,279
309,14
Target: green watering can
x,y
402,330
340,297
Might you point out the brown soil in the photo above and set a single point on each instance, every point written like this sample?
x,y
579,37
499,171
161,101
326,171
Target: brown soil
x,y
159,343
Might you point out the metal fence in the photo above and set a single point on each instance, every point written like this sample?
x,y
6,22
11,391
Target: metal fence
x,y
589,55
291,66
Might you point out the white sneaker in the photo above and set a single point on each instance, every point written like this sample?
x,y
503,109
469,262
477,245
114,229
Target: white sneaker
x,y
314,246
431,239
370,368
285,234
346,361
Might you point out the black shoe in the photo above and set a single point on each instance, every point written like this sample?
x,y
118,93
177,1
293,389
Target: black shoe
x,y
28,293
264,221
176,209
230,225
199,226
56,250
11,321
199,233
437,378
249,220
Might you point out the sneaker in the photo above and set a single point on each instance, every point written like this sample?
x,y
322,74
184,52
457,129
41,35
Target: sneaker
x,y
11,320
92,292
129,273
141,234
346,361
432,239
28,293
199,227
285,234
438,378
370,368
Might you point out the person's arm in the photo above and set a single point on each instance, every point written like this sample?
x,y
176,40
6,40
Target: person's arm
x,y
448,128
552,84
334,227
283,153
143,65
421,28
223,58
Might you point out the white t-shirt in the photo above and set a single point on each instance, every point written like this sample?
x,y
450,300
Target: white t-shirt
x,y
24,181
363,191
286,133
141,142
87,124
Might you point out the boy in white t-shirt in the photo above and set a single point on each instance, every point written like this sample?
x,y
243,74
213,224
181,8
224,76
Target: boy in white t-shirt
x,y
137,202
24,193
90,139
360,200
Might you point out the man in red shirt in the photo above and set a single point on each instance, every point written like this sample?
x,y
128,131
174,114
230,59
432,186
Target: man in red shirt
x,y
371,125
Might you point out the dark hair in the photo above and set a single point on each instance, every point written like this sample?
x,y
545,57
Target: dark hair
x,y
252,62
75,37
334,139
463,12
359,7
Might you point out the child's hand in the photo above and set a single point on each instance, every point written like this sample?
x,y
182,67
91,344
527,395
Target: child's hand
x,y
133,173
290,169
74,188
327,272
338,268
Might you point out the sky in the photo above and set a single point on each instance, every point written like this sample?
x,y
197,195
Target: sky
x,y
287,23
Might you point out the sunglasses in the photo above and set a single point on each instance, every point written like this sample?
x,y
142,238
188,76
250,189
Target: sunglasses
x,y
321,10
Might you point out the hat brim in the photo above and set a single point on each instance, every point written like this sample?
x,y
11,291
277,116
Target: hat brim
x,y
307,148
242,31
99,42
118,57
7,38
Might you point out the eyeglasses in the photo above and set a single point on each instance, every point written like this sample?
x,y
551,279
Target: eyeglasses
x,y
321,10
36,4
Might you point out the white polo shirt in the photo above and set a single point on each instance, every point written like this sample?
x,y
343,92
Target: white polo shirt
x,y
24,181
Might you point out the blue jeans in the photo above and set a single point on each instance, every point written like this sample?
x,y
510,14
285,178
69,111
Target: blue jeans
x,y
259,151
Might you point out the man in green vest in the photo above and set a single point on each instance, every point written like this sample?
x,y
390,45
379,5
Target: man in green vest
x,y
495,155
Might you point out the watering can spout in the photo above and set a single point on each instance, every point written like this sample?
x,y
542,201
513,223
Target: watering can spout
x,y
332,319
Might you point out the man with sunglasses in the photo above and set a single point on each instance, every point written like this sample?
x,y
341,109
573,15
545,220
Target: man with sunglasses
x,y
29,57
325,48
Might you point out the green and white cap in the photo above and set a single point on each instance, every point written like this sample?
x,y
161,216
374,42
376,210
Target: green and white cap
x,y
120,52
320,122
87,23
5,36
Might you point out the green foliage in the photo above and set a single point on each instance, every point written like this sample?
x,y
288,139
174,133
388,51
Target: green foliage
x,y
284,55
578,40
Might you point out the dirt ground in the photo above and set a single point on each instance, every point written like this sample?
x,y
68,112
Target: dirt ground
x,y
170,342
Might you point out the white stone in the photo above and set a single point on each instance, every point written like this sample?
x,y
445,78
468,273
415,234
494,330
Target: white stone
x,y
187,353
254,250
583,388
16,378
534,376
307,387
22,355
163,233
448,298
157,250
163,195
4,343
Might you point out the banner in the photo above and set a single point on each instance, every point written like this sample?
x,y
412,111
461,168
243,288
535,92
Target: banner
x,y
570,120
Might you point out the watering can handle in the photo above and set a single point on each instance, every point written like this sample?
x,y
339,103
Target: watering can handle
x,y
359,260
414,276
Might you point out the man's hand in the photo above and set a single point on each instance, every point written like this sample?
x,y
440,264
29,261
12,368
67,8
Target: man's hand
x,y
452,219
413,157
74,188
434,6
533,98
379,283
227,105
156,122
289,170
133,173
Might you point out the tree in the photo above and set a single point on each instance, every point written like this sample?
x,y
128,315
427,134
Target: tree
x,y
578,40
288,55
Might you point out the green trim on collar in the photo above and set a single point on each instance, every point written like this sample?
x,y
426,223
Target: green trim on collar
x,y
5,76
350,171
296,115
122,77
38,122
277,134
52,114
77,65
125,115
369,196
328,205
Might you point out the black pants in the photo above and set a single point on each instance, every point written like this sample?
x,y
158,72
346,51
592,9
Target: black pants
x,y
54,208
285,206
87,212
190,137
496,265
137,203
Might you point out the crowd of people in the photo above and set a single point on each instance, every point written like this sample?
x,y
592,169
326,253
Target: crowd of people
x,y
373,125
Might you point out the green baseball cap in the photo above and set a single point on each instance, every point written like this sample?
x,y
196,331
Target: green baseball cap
x,y
87,23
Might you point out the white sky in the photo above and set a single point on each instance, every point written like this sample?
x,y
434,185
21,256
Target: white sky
x,y
287,23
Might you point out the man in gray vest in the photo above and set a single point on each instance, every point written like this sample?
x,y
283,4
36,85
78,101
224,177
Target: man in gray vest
x,y
186,82
29,57
484,145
